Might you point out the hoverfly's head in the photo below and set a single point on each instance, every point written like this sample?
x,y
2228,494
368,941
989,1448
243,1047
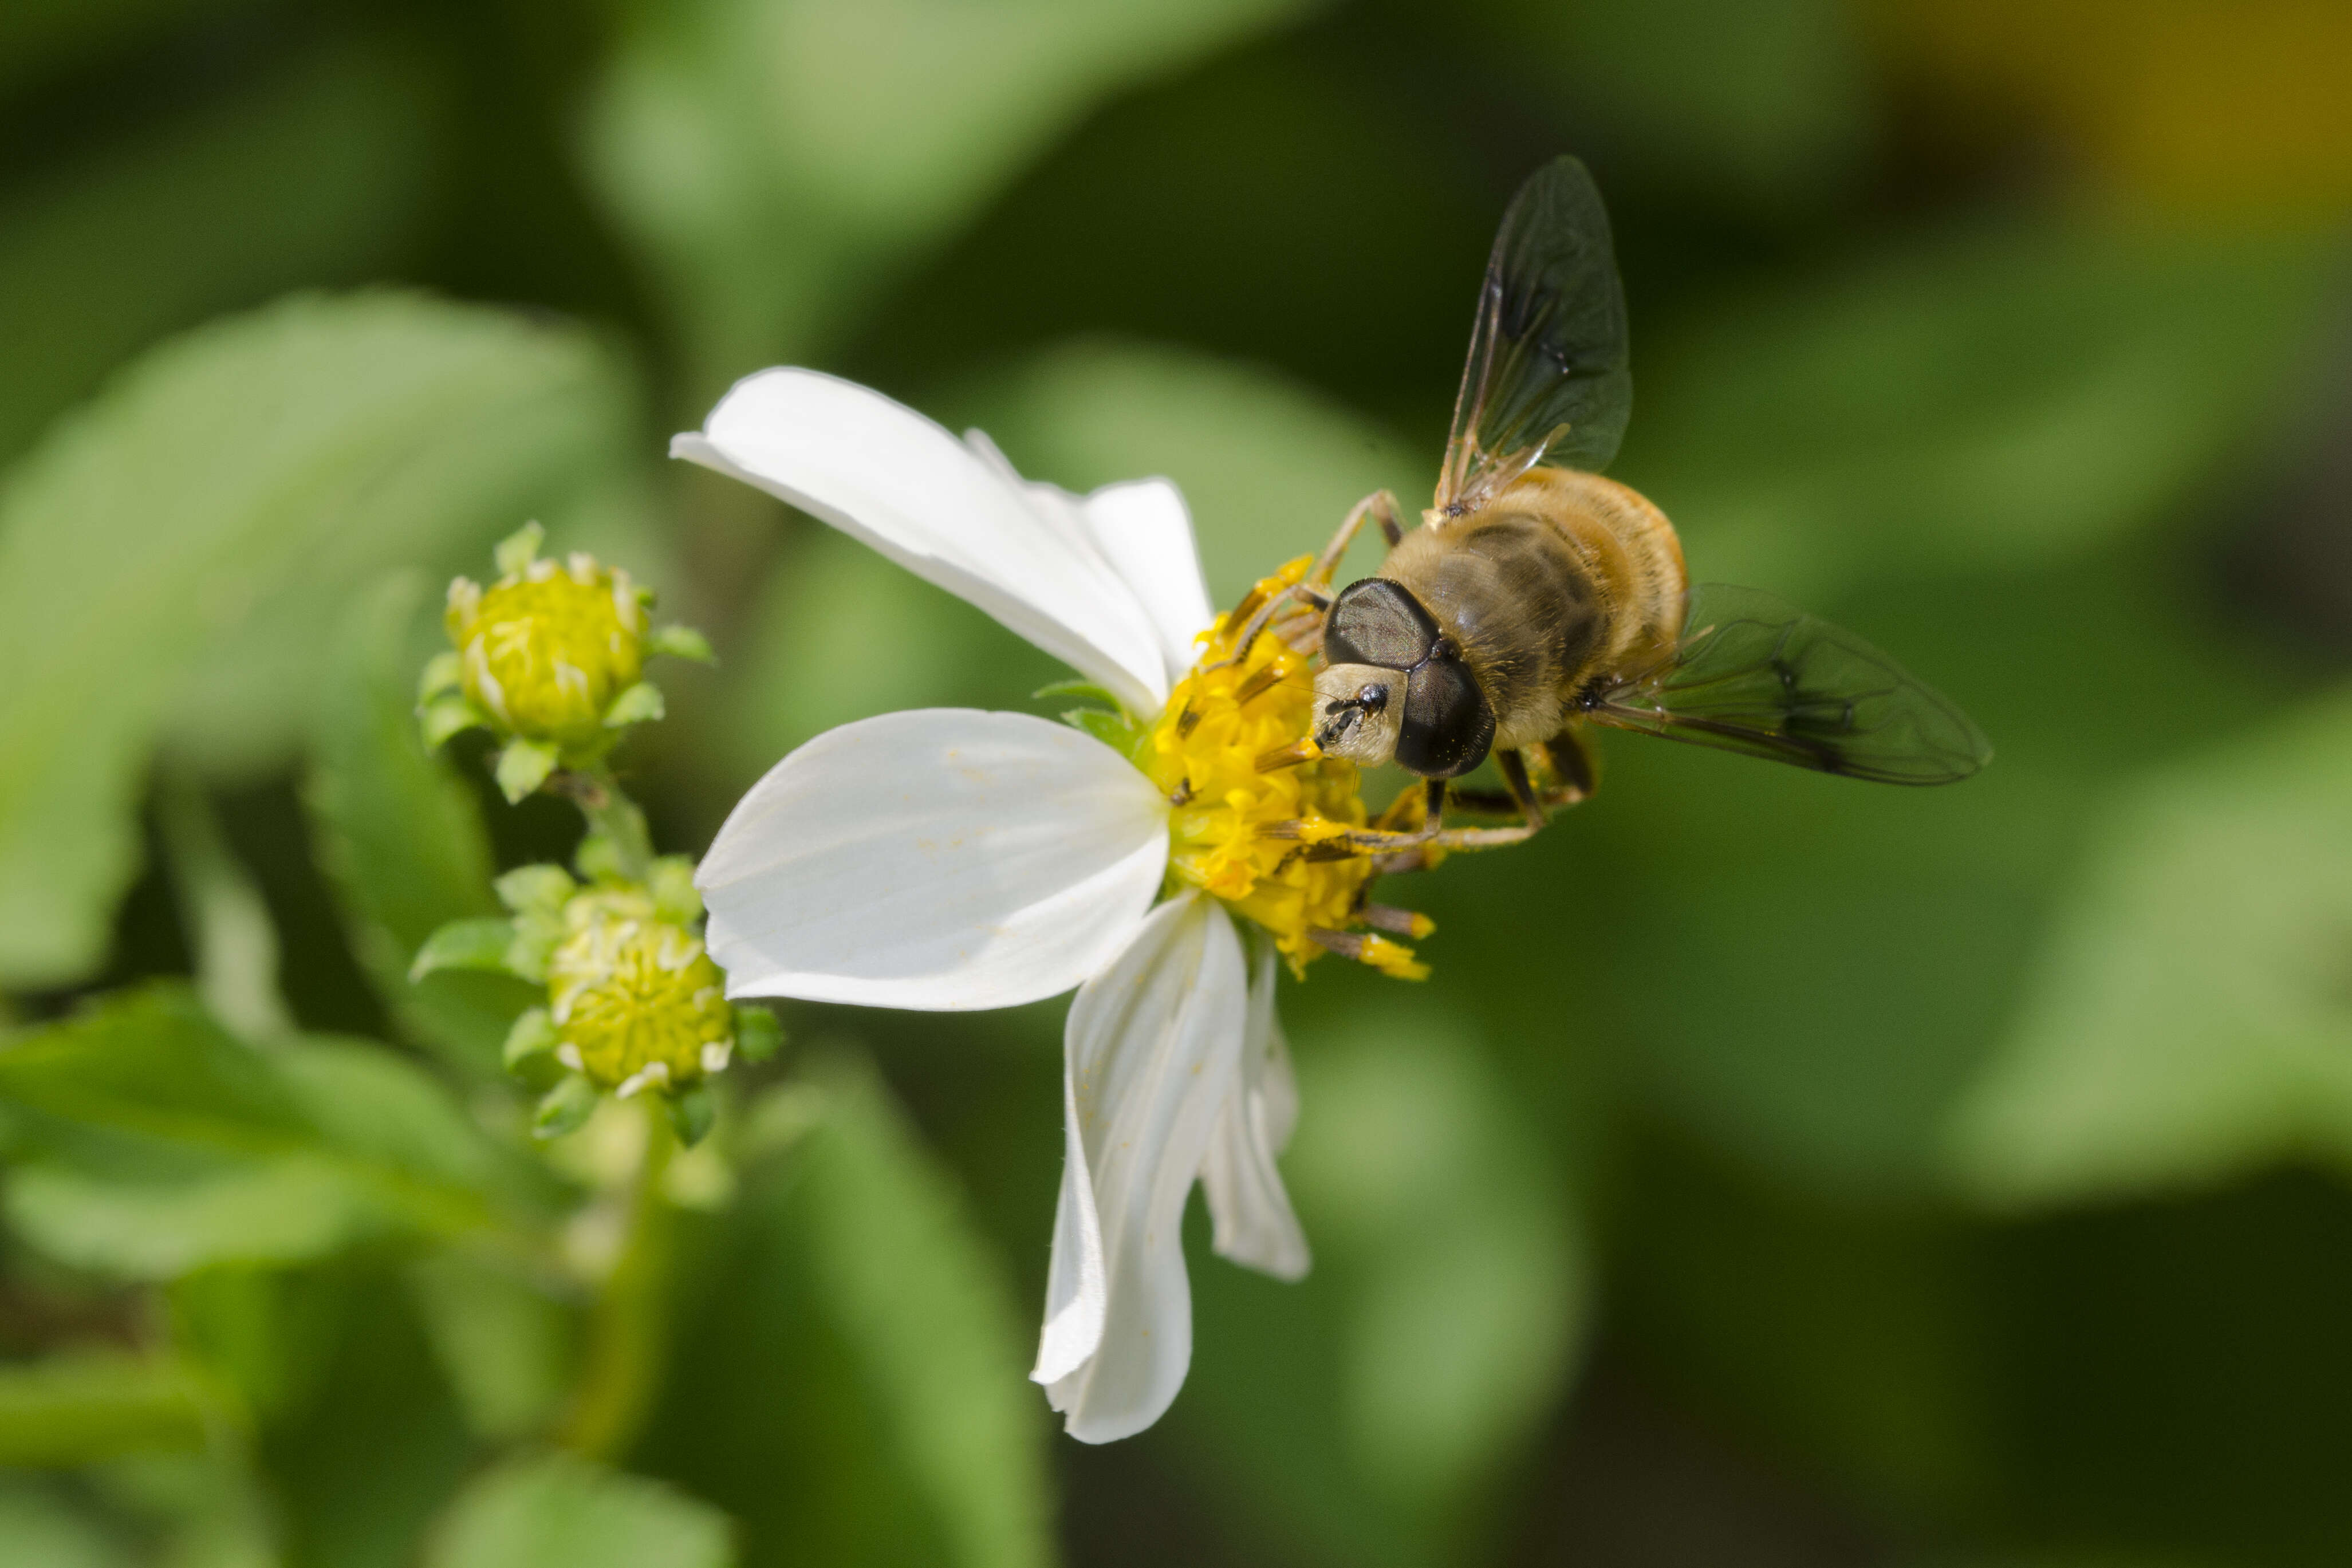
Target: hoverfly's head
x,y
1393,688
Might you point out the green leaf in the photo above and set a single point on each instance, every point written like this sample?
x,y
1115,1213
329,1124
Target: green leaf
x,y
553,1511
519,549
692,1111
1076,688
682,642
445,716
1117,731
640,704
2189,1022
505,1346
833,141
1377,1403
524,766
316,173
529,1054
865,1346
75,1409
445,671
39,1530
481,942
153,1144
758,1034
262,464
565,1108
1986,403
1269,468
401,839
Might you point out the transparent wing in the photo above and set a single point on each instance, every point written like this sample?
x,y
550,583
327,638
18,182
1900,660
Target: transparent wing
x,y
1756,675
1547,377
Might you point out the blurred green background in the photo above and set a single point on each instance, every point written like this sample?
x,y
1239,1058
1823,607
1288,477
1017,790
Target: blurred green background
x,y
1777,1171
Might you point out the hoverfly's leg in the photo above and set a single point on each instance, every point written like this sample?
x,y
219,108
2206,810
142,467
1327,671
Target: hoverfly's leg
x,y
1513,769
1573,764
1380,506
1258,623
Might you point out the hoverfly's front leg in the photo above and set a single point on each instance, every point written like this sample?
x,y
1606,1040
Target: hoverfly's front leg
x,y
1405,850
1380,506
1315,587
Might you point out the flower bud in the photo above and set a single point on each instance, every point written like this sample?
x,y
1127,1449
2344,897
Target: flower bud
x,y
547,648
635,1000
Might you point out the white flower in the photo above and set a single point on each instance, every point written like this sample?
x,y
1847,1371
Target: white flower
x,y
948,858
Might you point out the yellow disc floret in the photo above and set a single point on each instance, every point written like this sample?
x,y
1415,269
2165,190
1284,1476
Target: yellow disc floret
x,y
635,999
1255,809
546,650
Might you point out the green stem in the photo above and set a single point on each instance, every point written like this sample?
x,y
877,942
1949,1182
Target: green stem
x,y
611,813
628,1329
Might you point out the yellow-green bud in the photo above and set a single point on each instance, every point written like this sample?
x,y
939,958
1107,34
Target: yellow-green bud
x,y
545,650
635,999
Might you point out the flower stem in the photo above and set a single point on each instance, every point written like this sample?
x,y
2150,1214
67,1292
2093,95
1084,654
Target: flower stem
x,y
611,813
628,1330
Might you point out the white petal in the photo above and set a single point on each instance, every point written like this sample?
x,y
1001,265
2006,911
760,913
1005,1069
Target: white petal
x,y
1151,1049
885,475
936,858
1146,533
1248,1207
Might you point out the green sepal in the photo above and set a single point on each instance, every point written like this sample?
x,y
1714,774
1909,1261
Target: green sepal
x,y
481,943
1087,690
1117,731
445,716
691,1109
445,671
640,704
758,1034
519,549
673,889
523,766
530,1051
538,889
564,1109
681,642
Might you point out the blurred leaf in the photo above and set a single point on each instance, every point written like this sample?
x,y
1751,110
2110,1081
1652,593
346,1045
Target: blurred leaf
x,y
1377,1408
38,36
557,1511
1748,103
74,1409
282,454
359,1469
157,1143
781,160
318,176
1269,468
504,1345
2192,1018
401,837
222,912
862,1396
2002,401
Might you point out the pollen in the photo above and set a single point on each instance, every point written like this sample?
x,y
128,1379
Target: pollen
x,y
546,648
635,999
1252,798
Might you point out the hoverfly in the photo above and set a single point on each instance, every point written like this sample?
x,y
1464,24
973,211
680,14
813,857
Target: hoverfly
x,y
1537,598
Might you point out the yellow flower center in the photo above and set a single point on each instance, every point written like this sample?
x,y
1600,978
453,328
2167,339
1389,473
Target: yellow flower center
x,y
546,649
1255,809
634,997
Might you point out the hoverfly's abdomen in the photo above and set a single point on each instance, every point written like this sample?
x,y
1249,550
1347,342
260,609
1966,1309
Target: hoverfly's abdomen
x,y
1562,577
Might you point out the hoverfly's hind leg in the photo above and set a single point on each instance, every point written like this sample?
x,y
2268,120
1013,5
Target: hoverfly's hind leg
x,y
1380,506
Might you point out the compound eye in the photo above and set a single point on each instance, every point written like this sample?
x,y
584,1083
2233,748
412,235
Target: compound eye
x,y
1377,621
1447,727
